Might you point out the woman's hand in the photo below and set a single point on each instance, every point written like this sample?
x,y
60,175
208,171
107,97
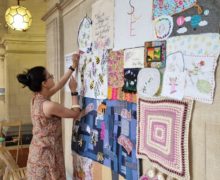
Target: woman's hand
x,y
72,84
75,60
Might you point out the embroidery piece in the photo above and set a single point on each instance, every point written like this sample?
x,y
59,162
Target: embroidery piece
x,y
192,22
199,64
174,77
133,24
84,38
155,54
200,78
116,69
170,7
162,135
163,27
197,45
98,136
82,168
102,24
134,58
92,74
148,82
130,80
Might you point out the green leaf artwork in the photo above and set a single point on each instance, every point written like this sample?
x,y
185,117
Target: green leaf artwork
x,y
203,86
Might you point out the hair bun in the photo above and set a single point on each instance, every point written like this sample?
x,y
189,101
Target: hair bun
x,y
24,79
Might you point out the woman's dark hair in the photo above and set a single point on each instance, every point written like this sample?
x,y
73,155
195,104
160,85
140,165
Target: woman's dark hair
x,y
33,78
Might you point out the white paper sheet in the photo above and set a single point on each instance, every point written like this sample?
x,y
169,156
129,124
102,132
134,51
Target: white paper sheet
x,y
134,58
133,23
102,24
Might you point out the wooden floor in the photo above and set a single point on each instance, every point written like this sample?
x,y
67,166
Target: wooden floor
x,y
22,157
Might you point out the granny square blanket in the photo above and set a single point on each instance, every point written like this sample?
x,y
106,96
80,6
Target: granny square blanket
x,y
162,134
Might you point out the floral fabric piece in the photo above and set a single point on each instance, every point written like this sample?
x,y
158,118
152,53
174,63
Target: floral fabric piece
x,y
115,69
170,7
163,134
155,54
92,74
84,35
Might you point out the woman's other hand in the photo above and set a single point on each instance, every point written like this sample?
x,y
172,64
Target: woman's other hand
x,y
75,60
72,84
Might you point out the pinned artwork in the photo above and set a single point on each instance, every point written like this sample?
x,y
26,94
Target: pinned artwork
x,y
171,7
84,38
116,69
163,27
148,82
107,134
200,78
133,24
92,74
193,21
134,58
155,54
82,167
130,80
163,135
119,94
198,61
102,25
174,77
197,45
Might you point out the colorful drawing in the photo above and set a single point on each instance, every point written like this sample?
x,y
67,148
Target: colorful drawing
x,y
155,54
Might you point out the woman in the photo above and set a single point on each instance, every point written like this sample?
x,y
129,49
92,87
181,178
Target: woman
x,y
45,159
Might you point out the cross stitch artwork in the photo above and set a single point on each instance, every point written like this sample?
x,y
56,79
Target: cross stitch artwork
x,y
155,54
106,134
170,7
148,82
163,133
116,69
130,80
194,22
84,35
133,24
92,74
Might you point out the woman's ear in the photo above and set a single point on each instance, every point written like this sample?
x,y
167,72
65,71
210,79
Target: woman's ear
x,y
44,84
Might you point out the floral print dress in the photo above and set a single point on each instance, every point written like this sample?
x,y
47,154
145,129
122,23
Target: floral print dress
x,y
45,159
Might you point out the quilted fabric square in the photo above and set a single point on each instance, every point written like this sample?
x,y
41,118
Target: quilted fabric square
x,y
116,69
170,7
162,134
